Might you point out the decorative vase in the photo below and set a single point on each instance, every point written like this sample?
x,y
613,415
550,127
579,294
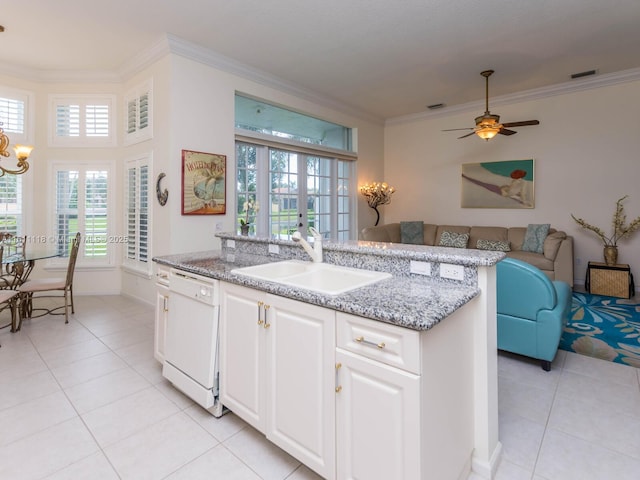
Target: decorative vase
x,y
610,254
244,229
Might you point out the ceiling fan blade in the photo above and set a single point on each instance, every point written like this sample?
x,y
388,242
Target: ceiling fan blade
x,y
454,129
521,124
467,135
505,131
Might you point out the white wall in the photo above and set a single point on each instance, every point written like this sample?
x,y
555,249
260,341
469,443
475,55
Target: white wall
x,y
194,110
586,151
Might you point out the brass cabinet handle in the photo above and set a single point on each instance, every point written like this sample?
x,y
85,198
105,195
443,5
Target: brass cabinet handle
x,y
362,340
266,308
165,303
338,387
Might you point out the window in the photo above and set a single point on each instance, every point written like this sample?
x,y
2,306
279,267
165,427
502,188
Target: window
x,y
299,190
14,114
138,110
300,169
137,247
11,204
85,121
13,120
81,202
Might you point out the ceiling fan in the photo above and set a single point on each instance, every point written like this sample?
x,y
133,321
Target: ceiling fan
x,y
488,125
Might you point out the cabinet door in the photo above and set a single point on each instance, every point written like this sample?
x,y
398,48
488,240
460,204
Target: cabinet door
x,y
301,382
162,312
242,353
378,420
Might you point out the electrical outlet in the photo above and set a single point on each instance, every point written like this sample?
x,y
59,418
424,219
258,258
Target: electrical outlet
x,y
218,226
421,268
453,272
274,248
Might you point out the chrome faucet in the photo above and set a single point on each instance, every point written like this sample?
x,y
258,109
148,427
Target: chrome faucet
x,y
316,252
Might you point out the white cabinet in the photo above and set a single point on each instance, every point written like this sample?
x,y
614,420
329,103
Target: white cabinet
x,y
377,405
277,371
162,313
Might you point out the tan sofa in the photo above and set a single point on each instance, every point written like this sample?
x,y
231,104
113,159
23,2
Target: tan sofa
x,y
556,261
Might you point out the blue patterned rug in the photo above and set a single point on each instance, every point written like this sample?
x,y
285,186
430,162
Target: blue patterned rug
x,y
604,327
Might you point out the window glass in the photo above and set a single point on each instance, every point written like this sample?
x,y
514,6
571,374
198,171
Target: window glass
x,y
260,116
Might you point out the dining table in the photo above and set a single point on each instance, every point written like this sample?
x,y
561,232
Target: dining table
x,y
17,267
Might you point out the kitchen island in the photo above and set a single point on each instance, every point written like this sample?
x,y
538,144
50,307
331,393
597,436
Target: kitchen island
x,y
444,334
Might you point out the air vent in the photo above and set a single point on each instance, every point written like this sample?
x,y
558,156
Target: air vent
x,y
583,74
435,106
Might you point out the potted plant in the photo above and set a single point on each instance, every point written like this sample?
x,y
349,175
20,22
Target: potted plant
x,y
620,231
249,208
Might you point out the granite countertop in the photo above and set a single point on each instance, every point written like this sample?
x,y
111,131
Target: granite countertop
x,y
413,301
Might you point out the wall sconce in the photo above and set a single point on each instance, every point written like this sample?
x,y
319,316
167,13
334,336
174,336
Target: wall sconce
x,y
377,194
22,153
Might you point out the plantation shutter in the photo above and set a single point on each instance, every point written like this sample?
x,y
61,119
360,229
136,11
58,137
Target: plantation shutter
x,y
95,228
81,205
143,220
138,248
82,121
138,111
12,115
68,120
97,120
132,230
66,215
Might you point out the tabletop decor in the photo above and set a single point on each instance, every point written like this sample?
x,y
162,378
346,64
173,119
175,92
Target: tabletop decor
x,y
377,194
620,231
250,209
203,183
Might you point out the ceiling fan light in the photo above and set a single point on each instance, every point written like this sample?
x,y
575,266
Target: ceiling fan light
x,y
487,133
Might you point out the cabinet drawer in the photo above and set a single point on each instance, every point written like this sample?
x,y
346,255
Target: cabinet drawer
x,y
389,344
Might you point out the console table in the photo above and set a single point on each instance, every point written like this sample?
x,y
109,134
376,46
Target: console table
x,y
609,280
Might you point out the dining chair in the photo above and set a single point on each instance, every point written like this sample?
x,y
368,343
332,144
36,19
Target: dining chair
x,y
9,299
63,284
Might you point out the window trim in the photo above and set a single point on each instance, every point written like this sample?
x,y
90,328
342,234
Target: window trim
x,y
136,266
139,135
83,263
29,112
82,140
262,179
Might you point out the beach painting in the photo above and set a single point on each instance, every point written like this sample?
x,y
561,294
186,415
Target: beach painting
x,y
506,184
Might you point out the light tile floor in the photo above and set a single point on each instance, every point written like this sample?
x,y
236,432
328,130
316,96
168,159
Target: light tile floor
x,y
87,401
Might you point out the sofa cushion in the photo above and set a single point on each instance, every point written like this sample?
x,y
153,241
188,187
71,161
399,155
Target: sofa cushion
x,y
412,232
495,245
535,236
453,239
382,233
552,244
533,258
450,228
487,233
430,230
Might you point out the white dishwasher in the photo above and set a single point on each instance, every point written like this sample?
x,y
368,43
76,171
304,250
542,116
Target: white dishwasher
x,y
191,342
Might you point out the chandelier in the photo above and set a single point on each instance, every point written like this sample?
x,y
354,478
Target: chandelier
x,y
22,153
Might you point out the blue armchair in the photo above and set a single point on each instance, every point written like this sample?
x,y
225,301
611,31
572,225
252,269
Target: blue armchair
x,y
532,310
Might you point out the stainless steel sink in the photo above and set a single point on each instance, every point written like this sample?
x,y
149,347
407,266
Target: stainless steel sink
x,y
323,278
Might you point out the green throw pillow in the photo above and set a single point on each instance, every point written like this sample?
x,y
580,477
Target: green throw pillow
x,y
535,236
412,232
452,239
495,245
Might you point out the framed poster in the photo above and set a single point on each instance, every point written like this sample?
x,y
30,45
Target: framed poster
x,y
507,184
203,183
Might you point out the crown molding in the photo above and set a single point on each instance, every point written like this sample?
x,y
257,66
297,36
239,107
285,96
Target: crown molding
x,y
564,88
206,56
